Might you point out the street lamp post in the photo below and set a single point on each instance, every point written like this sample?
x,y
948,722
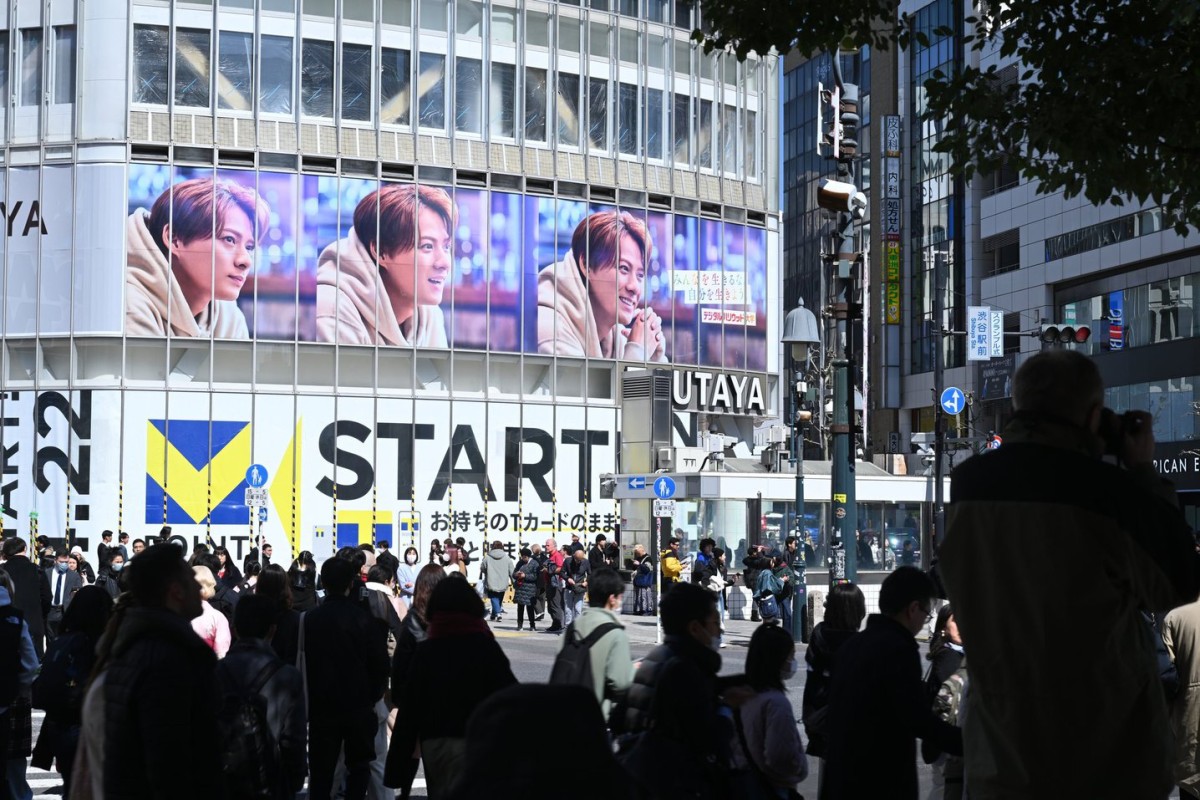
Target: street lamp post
x,y
800,332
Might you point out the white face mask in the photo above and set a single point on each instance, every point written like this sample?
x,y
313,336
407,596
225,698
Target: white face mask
x,y
789,670
714,644
411,559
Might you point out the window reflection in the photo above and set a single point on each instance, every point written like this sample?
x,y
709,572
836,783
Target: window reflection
x,y
316,78
191,67
235,71
431,90
276,64
567,109
356,82
395,97
535,104
468,95
151,45
598,113
503,86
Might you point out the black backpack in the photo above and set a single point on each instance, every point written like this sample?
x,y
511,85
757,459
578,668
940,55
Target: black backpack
x,y
573,666
249,753
60,685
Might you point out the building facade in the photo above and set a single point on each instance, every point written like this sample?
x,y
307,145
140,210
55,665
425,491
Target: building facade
x,y
399,255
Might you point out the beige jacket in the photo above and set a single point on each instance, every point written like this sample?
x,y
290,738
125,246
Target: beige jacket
x,y
348,311
1181,635
152,298
567,328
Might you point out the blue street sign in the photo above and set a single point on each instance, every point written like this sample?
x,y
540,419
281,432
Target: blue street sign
x,y
664,487
637,483
256,476
953,400
262,513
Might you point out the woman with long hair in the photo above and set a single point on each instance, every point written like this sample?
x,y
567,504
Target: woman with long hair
x,y
768,755
273,583
384,282
228,575
189,257
302,580
590,303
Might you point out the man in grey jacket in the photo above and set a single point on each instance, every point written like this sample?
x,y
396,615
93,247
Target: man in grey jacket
x,y
498,570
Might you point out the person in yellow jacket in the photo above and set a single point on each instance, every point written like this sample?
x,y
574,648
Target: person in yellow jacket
x,y
672,567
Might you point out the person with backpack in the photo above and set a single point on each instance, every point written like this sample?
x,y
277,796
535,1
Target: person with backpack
x,y
18,666
262,714
595,649
643,582
59,687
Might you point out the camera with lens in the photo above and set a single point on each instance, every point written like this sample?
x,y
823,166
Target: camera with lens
x,y
1114,427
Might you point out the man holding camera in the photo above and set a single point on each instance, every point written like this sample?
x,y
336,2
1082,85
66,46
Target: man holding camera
x,y
1065,699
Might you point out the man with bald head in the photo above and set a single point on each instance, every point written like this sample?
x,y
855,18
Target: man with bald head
x,y
1064,682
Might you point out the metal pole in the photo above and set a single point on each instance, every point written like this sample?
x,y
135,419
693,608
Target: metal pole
x,y
800,590
939,417
658,579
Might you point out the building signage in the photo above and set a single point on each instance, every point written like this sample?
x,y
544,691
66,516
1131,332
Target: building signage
x,y
1090,238
892,283
891,178
995,377
1179,462
979,333
891,135
718,392
891,218
997,321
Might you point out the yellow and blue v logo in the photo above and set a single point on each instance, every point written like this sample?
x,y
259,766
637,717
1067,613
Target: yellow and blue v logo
x,y
184,459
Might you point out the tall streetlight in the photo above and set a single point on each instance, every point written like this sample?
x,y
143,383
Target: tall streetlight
x,y
800,333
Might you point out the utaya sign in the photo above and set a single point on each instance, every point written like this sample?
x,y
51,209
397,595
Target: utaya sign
x,y
718,392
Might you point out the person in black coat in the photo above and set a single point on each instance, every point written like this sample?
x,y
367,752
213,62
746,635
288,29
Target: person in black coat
x,y
347,669
228,575
302,578
844,611
31,595
460,653
598,553
156,688
877,703
755,562
103,549
384,556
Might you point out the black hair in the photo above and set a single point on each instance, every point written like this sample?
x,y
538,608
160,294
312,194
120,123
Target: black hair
x,y
367,547
770,647
251,569
707,541
254,615
135,541
354,555
941,639
306,558
845,607
153,571
684,604
903,587
454,596
718,552
673,540
13,547
791,540
105,534
600,537
221,550
274,583
207,560
337,574
87,613
380,574
383,543
526,552
603,583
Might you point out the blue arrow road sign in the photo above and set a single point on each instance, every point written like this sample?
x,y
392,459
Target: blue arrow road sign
x,y
953,400
256,476
638,482
664,487
262,513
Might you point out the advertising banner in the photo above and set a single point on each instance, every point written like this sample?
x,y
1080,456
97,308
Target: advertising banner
x,y
237,254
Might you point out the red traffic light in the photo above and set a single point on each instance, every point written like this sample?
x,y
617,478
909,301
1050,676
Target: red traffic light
x,y
1065,334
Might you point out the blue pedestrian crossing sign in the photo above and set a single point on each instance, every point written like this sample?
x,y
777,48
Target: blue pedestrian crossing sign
x,y
664,487
256,476
953,400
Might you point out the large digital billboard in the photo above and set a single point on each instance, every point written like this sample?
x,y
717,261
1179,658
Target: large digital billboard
x,y
238,254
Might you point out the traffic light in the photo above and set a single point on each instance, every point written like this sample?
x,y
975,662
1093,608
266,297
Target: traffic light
x,y
1063,333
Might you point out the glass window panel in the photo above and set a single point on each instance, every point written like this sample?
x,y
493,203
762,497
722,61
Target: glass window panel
x,y
504,24
704,136
750,139
598,113
683,57
4,71
320,8
656,52
316,78
64,64
434,17
537,29
235,65
431,90
567,109
599,5
150,47
628,7
31,66
729,138
569,31
356,81
468,95
360,10
503,99
535,104
280,6
468,20
681,122
750,71
683,14
729,66
276,81
628,42
397,12
598,46
192,68
627,134
242,4
706,66
395,97
654,123
657,10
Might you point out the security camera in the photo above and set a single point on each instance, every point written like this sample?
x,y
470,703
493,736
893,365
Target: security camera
x,y
842,197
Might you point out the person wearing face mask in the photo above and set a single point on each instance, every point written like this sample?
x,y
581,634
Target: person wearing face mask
x,y
768,755
64,583
673,711
406,576
110,573
590,303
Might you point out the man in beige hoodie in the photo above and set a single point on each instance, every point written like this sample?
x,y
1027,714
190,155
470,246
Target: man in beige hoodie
x,y
384,282
189,257
590,303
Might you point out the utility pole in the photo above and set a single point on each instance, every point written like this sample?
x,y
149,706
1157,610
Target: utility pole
x,y
843,196
939,416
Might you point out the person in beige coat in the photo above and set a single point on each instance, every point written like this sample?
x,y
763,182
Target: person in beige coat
x,y
188,258
1181,635
384,282
590,303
